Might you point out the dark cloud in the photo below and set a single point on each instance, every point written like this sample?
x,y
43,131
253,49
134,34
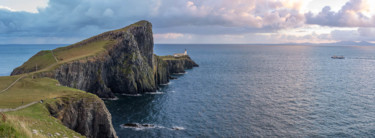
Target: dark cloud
x,y
83,18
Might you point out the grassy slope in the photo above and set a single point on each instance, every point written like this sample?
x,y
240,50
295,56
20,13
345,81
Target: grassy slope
x,y
6,81
41,60
169,57
29,90
86,48
21,123
66,54
36,118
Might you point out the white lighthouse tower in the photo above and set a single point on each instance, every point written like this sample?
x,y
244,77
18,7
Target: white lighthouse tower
x,y
185,52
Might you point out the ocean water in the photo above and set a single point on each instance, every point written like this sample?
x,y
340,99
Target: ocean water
x,y
250,91
259,91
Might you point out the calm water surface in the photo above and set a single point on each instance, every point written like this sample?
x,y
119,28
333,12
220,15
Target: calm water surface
x,y
256,91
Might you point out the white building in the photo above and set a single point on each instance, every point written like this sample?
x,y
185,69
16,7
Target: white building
x,y
180,54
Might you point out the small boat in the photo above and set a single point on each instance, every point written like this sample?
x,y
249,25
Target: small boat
x,y
338,57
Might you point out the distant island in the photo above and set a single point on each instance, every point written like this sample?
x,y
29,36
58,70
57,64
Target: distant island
x,y
340,43
50,89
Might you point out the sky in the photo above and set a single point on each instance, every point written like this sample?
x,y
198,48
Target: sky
x,y
190,21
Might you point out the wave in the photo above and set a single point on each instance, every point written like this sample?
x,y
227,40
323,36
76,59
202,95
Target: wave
x,y
180,73
131,94
111,99
166,83
137,126
157,92
178,128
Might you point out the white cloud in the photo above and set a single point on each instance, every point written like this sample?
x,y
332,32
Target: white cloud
x,y
6,8
195,21
168,36
355,13
32,6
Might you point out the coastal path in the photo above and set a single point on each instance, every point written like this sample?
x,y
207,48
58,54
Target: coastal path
x,y
12,84
18,108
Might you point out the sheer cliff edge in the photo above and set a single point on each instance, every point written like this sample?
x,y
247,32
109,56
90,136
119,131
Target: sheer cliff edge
x,y
118,61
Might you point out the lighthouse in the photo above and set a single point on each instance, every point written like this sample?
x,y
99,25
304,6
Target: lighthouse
x,y
180,54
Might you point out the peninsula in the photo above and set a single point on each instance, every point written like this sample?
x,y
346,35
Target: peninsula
x,y
57,92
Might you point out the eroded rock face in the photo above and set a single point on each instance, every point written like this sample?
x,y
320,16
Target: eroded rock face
x,y
179,66
85,115
128,65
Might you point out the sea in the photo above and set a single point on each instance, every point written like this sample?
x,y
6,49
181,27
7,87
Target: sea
x,y
248,91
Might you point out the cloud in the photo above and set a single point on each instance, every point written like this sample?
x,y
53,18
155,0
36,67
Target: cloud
x,y
353,14
367,32
24,5
360,34
6,8
67,18
276,14
168,36
181,21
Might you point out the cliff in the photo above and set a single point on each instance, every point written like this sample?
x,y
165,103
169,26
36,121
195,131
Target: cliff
x,y
119,61
64,112
86,115
179,64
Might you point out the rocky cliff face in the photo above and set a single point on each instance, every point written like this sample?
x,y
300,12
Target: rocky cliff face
x,y
128,65
86,115
161,71
180,64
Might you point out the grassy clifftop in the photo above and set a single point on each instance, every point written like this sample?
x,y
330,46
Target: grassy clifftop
x,y
62,109
170,57
28,90
33,121
48,60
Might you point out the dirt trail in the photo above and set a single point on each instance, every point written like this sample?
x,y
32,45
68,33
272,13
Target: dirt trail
x,y
18,108
54,56
12,84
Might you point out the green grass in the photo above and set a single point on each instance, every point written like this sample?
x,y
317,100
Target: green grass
x,y
66,54
39,61
45,61
170,57
28,90
23,122
36,118
90,47
6,81
137,24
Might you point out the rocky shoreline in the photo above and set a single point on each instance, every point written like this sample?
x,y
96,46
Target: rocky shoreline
x,y
127,66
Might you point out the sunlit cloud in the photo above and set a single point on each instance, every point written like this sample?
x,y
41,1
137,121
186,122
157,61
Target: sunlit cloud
x,y
191,21
31,6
